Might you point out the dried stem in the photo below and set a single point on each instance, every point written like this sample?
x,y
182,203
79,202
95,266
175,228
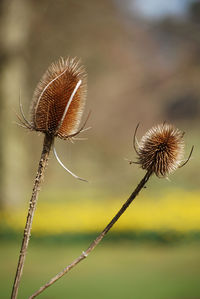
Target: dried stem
x,y
98,239
48,140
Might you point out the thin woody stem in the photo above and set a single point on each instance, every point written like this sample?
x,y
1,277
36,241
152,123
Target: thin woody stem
x,y
98,239
48,140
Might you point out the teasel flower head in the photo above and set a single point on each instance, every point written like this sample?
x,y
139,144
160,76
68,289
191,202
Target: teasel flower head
x,y
59,99
161,150
58,103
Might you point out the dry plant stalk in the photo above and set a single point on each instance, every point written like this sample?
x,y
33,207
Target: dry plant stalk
x,y
56,110
160,152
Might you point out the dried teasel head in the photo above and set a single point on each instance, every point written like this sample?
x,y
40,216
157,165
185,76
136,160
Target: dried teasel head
x,y
161,150
59,99
58,103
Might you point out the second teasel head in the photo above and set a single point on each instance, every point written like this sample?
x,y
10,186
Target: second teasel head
x,y
161,150
59,99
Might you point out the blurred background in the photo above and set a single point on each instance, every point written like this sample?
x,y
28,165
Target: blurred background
x,y
143,64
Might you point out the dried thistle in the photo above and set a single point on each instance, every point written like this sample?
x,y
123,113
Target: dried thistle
x,y
59,99
160,151
56,110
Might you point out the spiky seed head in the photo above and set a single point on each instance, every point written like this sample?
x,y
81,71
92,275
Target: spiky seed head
x,y
49,111
161,149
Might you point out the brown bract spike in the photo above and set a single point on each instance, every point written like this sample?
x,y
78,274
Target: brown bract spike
x,y
161,149
59,99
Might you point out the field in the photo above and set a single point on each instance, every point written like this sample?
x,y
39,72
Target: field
x,y
176,211
120,269
152,253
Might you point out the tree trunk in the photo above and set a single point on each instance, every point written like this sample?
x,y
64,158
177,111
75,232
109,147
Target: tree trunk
x,y
14,31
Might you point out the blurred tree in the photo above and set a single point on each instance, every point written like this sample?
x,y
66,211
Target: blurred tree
x,y
15,20
2,61
195,11
134,68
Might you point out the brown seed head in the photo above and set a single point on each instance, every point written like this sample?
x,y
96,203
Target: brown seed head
x,y
161,149
59,99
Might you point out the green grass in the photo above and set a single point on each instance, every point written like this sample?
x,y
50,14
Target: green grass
x,y
114,270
